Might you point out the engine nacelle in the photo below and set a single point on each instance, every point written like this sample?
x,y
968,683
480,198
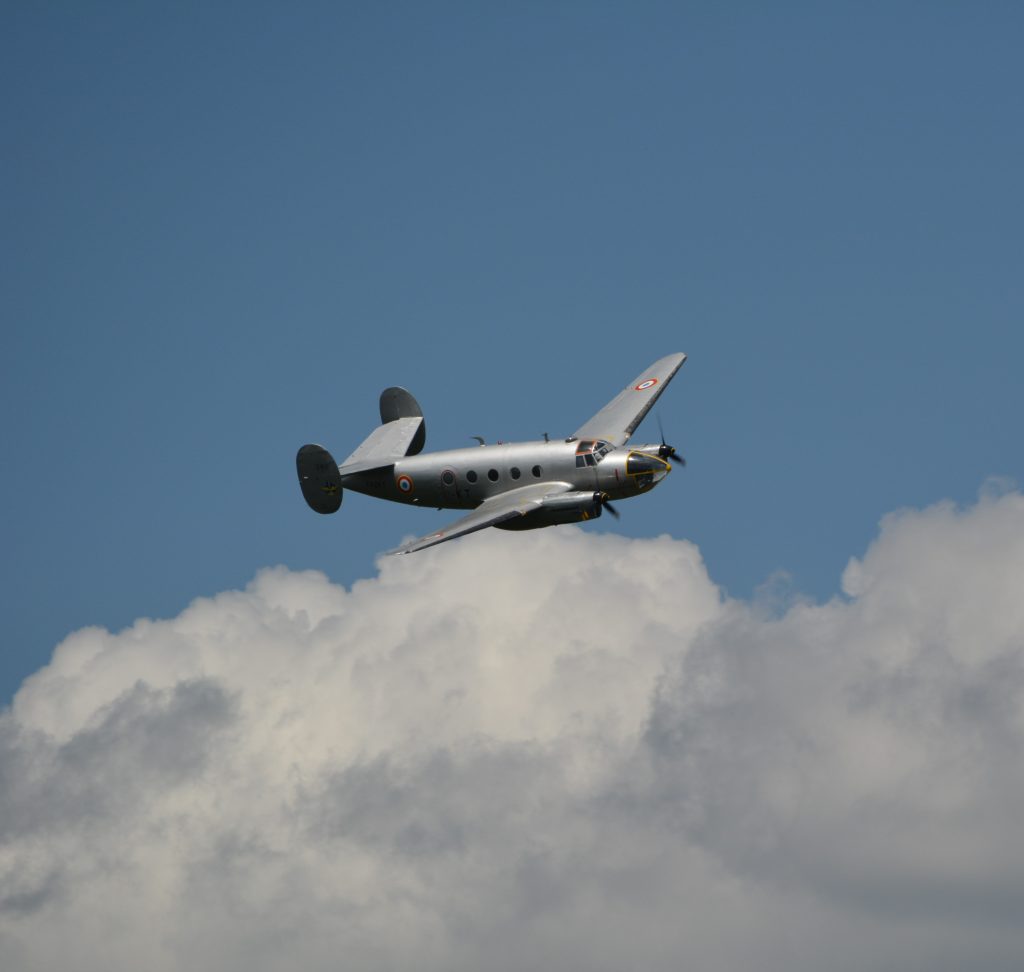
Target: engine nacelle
x,y
583,505
563,508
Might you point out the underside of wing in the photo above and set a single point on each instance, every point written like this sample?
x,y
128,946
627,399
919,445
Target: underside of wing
x,y
498,509
618,420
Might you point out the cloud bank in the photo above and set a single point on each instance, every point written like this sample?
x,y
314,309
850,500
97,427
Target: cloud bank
x,y
537,751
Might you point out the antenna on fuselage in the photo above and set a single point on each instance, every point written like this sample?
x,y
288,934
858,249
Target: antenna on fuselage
x,y
546,439
479,438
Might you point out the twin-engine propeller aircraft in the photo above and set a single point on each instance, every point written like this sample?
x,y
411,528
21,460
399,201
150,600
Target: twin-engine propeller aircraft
x,y
513,486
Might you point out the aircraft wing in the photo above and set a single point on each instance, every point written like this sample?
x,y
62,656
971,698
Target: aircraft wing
x,y
498,509
618,420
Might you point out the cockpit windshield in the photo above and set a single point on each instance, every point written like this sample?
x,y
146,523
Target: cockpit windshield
x,y
591,451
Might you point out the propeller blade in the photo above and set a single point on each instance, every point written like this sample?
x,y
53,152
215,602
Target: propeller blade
x,y
666,451
608,506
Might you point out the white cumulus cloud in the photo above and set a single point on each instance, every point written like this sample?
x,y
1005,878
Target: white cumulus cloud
x,y
536,751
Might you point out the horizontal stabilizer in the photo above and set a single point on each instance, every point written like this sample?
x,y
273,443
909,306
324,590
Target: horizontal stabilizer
x,y
370,465
385,444
402,432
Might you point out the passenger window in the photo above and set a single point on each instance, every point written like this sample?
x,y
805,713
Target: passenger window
x,y
536,471
514,472
448,478
471,476
492,475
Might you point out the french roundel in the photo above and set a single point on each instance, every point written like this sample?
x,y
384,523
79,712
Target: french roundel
x,y
404,484
644,385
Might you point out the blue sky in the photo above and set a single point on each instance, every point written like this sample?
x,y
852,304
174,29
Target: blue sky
x,y
227,227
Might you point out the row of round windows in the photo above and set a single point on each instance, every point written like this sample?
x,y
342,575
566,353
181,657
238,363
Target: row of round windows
x,y
448,477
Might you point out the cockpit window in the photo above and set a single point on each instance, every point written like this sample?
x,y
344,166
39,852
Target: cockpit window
x,y
591,451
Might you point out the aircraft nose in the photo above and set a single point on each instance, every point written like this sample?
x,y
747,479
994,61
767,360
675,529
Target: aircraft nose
x,y
642,463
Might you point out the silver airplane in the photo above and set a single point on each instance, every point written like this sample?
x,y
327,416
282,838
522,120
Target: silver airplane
x,y
509,485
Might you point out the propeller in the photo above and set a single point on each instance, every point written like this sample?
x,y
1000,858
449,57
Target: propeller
x,y
666,451
602,498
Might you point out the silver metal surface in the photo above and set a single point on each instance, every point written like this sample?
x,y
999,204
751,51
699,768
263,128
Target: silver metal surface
x,y
618,420
518,485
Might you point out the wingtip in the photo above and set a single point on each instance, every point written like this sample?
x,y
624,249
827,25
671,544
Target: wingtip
x,y
406,548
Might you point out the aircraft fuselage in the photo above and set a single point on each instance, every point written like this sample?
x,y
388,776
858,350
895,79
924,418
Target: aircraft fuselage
x,y
462,479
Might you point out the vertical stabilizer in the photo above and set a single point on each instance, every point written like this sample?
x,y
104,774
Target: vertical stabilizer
x,y
398,403
319,479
